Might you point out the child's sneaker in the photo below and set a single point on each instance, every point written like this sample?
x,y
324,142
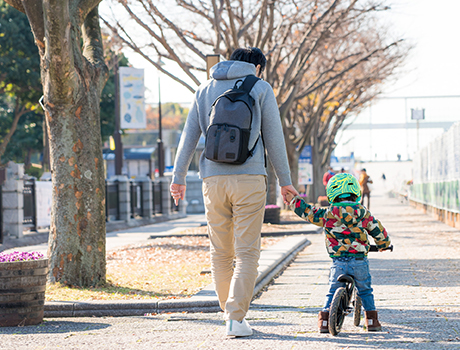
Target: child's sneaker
x,y
323,321
238,328
371,321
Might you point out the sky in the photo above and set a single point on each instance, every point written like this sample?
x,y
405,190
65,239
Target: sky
x,y
432,70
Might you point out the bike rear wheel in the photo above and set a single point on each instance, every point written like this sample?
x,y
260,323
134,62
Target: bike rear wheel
x,y
337,310
358,304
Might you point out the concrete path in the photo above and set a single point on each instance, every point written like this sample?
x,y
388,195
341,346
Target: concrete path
x,y
417,290
135,235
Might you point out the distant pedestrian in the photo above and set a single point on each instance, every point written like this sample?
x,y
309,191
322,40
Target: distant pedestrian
x,y
235,195
384,177
347,225
327,176
364,181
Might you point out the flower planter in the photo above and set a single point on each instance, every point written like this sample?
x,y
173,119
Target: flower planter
x,y
22,292
272,215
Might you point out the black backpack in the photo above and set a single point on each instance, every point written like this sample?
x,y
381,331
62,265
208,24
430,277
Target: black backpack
x,y
230,120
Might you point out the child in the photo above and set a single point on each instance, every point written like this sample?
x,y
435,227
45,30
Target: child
x,y
347,224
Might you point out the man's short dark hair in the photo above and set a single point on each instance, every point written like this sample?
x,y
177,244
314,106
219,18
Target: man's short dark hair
x,y
251,55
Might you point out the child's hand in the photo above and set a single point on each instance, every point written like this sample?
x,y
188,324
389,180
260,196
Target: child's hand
x,y
288,190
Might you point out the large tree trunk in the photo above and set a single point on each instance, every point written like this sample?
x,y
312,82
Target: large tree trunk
x,y
317,189
293,158
73,76
77,235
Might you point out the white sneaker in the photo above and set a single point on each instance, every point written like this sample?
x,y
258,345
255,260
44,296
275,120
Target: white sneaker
x,y
238,328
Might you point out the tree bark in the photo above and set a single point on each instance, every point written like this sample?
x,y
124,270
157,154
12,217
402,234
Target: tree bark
x,y
317,189
77,235
73,77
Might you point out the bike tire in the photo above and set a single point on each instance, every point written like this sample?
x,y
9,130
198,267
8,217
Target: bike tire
x,y
358,305
337,310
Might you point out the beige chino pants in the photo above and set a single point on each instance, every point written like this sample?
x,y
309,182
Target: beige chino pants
x,y
235,206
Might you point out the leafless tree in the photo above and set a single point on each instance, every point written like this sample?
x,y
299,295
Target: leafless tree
x,y
314,47
342,80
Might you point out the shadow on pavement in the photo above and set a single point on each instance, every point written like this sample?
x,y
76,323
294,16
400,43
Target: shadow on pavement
x,y
415,272
53,327
400,327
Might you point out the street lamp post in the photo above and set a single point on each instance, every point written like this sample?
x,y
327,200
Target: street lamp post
x,y
161,155
417,114
117,133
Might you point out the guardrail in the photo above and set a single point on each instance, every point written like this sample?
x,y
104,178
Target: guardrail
x,y
137,203
30,209
1,215
112,201
124,200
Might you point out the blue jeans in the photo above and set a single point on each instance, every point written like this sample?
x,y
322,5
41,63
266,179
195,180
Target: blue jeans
x,y
359,269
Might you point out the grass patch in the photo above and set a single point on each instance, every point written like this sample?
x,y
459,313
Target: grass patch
x,y
167,268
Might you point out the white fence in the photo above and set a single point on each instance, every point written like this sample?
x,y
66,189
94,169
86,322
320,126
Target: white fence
x,y
436,172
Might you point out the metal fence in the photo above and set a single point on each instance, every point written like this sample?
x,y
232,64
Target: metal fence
x,y
137,203
174,207
112,201
30,212
1,214
157,202
136,199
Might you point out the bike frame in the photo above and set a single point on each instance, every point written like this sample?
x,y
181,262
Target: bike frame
x,y
343,305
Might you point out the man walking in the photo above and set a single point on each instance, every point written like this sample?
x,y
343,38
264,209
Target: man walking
x,y
235,195
364,181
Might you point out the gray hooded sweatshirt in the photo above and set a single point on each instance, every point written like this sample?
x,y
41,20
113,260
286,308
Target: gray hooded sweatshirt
x,y
266,117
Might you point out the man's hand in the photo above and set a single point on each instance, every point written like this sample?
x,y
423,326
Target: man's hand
x,y
177,192
288,190
289,197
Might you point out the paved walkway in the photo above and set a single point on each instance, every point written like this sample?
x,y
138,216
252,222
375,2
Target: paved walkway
x,y
135,235
417,289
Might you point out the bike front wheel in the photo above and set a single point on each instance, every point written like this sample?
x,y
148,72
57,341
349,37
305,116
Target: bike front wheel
x,y
358,304
337,310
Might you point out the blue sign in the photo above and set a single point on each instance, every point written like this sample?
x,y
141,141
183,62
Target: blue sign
x,y
306,166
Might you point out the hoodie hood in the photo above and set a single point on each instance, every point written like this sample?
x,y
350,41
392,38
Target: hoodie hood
x,y
228,70
348,215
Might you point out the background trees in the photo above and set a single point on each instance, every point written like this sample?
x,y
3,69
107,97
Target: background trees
x,y
326,58
21,117
20,87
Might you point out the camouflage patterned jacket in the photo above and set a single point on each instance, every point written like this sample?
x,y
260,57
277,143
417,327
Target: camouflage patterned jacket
x,y
347,226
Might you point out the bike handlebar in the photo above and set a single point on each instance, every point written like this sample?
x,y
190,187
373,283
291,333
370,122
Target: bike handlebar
x,y
374,248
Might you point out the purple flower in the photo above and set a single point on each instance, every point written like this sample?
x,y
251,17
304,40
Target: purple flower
x,y
20,256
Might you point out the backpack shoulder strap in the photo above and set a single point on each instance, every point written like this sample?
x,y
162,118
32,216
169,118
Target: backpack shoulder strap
x,y
249,82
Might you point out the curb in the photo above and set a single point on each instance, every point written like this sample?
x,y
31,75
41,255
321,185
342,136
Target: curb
x,y
42,236
263,234
272,261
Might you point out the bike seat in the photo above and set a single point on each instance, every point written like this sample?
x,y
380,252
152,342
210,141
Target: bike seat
x,y
345,278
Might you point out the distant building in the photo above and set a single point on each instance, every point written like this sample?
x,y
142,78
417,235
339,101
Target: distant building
x,y
140,153
136,162
346,163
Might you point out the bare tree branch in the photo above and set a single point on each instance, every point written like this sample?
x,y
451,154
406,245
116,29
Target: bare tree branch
x,y
135,48
19,111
